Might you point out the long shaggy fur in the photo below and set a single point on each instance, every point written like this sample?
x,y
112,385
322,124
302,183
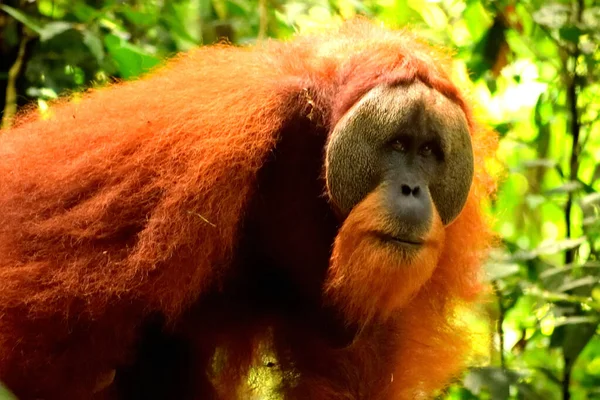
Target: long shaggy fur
x,y
129,201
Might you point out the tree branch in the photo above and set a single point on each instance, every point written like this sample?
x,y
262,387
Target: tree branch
x,y
10,104
575,129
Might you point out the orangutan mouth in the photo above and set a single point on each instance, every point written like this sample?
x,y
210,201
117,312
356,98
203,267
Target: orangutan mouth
x,y
402,240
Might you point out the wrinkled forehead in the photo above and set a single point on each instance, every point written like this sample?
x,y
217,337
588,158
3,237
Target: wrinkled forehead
x,y
386,110
410,102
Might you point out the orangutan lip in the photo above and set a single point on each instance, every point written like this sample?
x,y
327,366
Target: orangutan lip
x,y
403,241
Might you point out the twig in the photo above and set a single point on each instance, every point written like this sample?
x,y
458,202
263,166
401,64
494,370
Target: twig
x,y
202,218
263,12
499,322
575,129
10,104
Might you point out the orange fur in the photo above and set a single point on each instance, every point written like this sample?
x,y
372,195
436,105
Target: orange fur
x,y
130,202
359,257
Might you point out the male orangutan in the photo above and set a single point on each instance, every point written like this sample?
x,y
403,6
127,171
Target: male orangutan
x,y
317,201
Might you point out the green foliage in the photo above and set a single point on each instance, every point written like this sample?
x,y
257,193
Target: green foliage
x,y
533,68
5,395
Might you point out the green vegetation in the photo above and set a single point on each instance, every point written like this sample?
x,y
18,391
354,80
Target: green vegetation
x,y
5,395
533,69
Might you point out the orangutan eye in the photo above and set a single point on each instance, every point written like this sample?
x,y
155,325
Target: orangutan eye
x,y
399,145
426,150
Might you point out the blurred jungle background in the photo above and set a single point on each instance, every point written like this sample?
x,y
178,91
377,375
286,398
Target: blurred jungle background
x,y
531,64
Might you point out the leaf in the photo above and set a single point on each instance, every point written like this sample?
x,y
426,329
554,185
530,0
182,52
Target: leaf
x,y
576,337
535,200
46,31
552,15
220,7
497,271
83,12
575,320
585,281
497,381
491,50
53,29
131,60
559,246
477,20
5,394
22,18
591,19
548,373
539,163
53,9
587,222
589,200
205,9
140,18
567,269
570,33
175,18
432,14
528,391
503,128
94,44
568,187
523,255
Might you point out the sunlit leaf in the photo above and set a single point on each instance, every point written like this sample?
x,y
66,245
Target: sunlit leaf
x,y
140,17
590,199
568,187
83,12
94,44
53,29
175,18
52,8
539,163
477,18
496,380
220,7
491,50
590,221
523,255
559,246
591,19
496,271
575,320
553,15
5,394
432,14
593,368
130,59
585,281
566,269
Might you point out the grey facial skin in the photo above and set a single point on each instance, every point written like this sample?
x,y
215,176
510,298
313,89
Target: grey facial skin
x,y
409,141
